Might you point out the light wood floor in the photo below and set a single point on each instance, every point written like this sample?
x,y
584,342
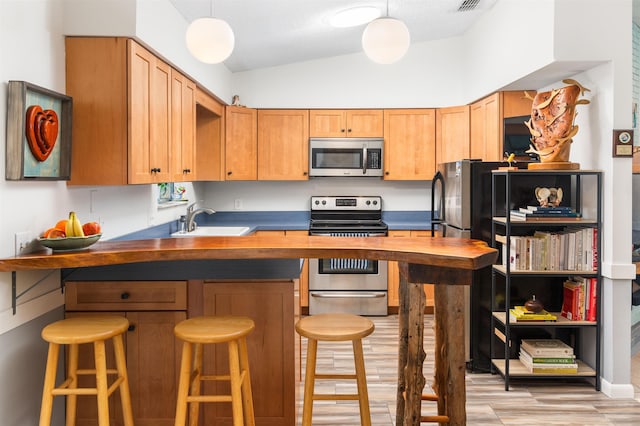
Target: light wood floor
x,y
527,403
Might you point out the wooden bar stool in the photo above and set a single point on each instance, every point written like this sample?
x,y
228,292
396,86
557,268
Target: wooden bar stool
x,y
74,332
335,327
195,332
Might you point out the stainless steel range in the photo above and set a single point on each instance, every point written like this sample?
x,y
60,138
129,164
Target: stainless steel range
x,y
357,286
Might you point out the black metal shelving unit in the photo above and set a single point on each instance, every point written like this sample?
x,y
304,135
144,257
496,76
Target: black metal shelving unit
x,y
512,189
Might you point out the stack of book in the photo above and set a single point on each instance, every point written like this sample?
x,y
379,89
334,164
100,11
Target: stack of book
x,y
533,213
521,314
579,300
548,356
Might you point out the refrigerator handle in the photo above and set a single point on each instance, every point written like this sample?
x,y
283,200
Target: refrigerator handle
x,y
439,218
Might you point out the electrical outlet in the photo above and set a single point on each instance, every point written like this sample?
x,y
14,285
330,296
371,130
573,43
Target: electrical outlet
x,y
23,242
237,204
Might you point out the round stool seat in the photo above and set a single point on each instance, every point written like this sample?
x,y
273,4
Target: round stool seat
x,y
214,329
85,329
334,327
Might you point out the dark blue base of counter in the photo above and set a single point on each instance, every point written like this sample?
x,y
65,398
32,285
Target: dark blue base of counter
x,y
218,269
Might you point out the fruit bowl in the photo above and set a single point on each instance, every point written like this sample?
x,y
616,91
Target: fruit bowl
x,y
69,243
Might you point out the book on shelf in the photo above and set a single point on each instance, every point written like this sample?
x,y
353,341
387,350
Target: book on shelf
x,y
549,368
535,360
546,347
543,217
543,209
521,314
573,249
580,297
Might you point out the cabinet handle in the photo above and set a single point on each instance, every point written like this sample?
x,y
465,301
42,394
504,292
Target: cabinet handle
x,y
386,173
342,130
304,173
349,130
124,296
185,171
132,327
229,173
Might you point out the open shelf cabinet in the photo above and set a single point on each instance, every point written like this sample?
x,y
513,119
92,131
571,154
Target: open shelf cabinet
x,y
542,274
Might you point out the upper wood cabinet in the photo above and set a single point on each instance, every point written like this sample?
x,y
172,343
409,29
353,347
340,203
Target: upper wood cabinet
x,y
452,134
351,123
409,150
241,143
283,144
209,137
122,112
183,128
486,122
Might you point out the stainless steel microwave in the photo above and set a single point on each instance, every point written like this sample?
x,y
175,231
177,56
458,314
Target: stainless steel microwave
x,y
345,156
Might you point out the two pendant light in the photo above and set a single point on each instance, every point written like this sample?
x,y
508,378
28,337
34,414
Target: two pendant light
x,y
384,40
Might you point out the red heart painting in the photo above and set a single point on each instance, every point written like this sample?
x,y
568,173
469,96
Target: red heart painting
x,y
42,131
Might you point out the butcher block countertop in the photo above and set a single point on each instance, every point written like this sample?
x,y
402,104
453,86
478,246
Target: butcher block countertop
x,y
435,252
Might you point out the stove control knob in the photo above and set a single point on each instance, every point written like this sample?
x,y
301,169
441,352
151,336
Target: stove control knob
x,y
368,202
317,202
324,202
375,202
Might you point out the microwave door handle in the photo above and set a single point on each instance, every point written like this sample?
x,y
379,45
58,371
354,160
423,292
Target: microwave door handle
x,y
364,160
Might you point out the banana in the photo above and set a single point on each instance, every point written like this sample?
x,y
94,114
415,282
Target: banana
x,y
74,227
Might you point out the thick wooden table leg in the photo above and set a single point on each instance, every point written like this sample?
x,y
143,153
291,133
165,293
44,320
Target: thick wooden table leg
x,y
449,352
411,353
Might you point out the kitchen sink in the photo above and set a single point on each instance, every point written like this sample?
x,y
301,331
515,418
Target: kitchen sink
x,y
215,231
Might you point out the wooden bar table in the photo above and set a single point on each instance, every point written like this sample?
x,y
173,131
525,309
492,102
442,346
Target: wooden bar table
x,y
446,262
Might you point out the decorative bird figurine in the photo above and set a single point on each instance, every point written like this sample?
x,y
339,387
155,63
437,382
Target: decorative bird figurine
x,y
511,158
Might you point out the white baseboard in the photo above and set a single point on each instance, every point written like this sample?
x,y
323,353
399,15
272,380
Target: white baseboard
x,y
623,391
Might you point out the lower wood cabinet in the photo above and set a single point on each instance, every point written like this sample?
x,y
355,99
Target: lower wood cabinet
x,y
393,274
153,308
270,346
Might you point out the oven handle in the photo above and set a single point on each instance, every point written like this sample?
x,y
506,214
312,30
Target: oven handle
x,y
343,295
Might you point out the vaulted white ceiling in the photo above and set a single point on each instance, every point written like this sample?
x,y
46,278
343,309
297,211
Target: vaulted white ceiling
x,y
277,32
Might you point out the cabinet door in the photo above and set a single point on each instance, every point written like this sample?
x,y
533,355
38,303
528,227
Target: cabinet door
x,y
363,123
452,134
241,143
183,128
485,124
283,144
327,123
153,364
409,138
149,88
270,347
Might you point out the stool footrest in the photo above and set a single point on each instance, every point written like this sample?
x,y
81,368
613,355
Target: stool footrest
x,y
336,397
335,376
209,398
64,388
216,377
435,419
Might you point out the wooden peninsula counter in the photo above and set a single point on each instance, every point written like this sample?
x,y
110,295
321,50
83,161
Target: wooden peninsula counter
x,y
446,262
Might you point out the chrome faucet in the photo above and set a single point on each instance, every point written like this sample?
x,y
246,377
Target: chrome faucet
x,y
191,215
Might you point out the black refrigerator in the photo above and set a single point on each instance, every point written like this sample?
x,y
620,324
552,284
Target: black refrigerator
x,y
461,207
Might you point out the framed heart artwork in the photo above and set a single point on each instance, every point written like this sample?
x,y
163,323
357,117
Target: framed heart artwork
x,y
38,133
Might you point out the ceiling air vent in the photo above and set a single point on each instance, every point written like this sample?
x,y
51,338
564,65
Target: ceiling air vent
x,y
468,5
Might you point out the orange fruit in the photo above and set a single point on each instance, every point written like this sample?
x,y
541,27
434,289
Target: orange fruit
x,y
62,225
54,233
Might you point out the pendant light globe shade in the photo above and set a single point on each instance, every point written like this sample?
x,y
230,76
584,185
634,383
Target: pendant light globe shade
x,y
210,40
386,40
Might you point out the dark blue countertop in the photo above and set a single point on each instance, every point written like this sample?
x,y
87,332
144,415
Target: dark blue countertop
x,y
277,221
